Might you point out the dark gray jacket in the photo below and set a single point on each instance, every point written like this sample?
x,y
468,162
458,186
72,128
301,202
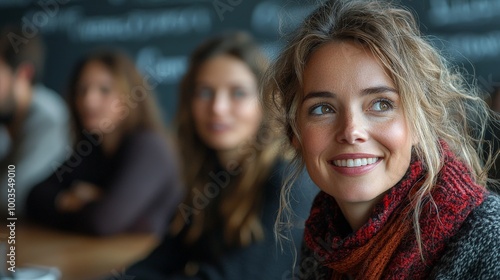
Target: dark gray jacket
x,y
474,253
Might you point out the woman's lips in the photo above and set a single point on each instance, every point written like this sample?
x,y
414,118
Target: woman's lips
x,y
218,127
354,164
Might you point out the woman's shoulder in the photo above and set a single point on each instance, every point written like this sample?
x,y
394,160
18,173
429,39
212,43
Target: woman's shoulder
x,y
484,220
148,141
489,208
475,249
145,136
149,147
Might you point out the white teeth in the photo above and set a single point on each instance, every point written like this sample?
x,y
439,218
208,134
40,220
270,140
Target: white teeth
x,y
354,162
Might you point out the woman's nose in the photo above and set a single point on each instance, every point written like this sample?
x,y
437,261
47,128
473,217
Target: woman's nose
x,y
221,103
351,128
91,98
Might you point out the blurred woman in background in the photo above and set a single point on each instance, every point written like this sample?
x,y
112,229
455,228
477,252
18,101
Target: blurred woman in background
x,y
233,172
122,175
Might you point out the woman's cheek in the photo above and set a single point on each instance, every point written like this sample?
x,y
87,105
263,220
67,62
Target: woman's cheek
x,y
314,139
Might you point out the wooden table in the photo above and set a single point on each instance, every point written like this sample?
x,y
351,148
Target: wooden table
x,y
79,256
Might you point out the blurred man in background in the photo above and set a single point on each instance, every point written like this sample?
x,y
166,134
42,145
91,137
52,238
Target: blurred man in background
x,y
33,119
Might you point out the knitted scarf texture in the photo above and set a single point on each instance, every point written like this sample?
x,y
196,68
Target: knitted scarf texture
x,y
386,246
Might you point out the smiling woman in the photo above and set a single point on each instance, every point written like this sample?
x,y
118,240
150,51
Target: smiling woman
x,y
389,135
350,100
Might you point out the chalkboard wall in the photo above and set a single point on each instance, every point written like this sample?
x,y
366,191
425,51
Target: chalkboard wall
x,y
159,35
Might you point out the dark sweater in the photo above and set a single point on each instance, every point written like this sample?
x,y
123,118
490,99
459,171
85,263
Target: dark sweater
x,y
140,184
474,253
261,260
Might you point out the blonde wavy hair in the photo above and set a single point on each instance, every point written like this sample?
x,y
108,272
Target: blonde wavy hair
x,y
238,206
439,104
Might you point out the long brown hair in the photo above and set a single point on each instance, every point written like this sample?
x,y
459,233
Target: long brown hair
x,y
236,208
139,109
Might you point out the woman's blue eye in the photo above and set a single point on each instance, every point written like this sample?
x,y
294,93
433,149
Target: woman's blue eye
x,y
382,105
239,93
321,110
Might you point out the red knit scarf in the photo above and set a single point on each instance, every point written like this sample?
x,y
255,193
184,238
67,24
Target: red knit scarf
x,y
386,247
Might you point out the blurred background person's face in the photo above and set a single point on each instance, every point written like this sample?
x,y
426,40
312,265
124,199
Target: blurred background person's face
x,y
225,107
98,98
7,99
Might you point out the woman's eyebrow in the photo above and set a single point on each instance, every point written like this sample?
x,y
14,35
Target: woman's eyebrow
x,y
319,94
366,91
378,89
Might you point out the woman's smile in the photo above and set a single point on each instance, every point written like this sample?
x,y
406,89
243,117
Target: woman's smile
x,y
354,164
354,139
